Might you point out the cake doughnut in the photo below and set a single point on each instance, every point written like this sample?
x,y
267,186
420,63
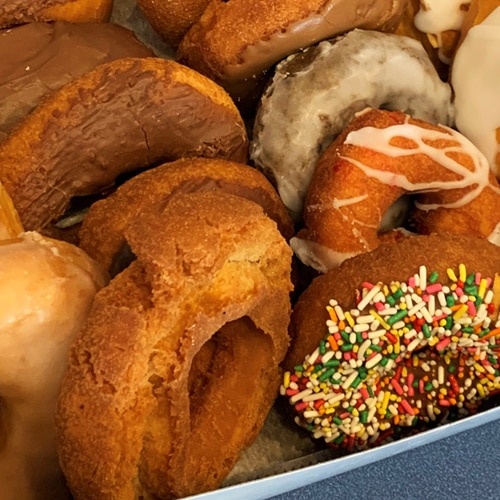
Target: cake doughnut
x,y
47,288
402,336
122,116
476,96
78,11
102,231
179,361
380,157
330,82
236,42
38,58
172,18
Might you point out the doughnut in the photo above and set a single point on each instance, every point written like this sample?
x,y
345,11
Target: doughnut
x,y
102,231
380,157
328,83
122,116
78,11
401,337
41,57
234,43
172,19
477,100
47,288
178,363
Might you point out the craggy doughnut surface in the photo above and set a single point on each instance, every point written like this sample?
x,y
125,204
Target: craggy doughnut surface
x,y
418,341
379,157
235,42
13,12
38,58
120,117
330,82
102,231
155,403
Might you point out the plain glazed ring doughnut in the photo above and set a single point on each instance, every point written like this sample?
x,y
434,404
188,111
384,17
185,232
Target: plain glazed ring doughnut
x,y
76,11
378,158
125,115
327,85
405,335
38,58
235,42
179,361
102,231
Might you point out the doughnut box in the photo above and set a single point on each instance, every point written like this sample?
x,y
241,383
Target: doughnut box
x,y
281,459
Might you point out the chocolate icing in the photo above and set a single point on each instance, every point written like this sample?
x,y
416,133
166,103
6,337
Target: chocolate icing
x,y
40,57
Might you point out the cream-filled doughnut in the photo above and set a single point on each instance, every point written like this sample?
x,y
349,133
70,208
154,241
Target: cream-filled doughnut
x,y
315,93
475,77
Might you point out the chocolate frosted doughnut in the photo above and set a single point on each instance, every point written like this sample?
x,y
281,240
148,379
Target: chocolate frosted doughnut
x,y
38,58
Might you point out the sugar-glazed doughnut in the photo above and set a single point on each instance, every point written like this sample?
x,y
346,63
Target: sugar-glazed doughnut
x,y
327,84
379,157
405,335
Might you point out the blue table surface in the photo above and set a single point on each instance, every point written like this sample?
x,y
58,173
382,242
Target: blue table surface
x,y
462,466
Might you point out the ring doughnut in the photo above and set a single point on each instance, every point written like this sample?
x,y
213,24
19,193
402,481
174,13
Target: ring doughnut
x,y
38,58
328,83
76,11
234,43
379,157
112,120
401,350
154,389
102,231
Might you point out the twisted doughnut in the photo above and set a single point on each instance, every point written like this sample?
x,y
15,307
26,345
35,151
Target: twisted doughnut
x,y
417,342
379,157
155,389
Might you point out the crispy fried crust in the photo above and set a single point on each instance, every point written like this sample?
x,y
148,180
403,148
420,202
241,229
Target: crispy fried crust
x,y
120,117
178,364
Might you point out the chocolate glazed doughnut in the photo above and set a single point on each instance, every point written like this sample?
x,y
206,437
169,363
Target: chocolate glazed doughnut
x,y
178,363
123,116
14,12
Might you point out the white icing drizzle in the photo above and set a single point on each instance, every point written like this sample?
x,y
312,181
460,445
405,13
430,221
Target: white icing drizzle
x,y
348,201
475,78
379,140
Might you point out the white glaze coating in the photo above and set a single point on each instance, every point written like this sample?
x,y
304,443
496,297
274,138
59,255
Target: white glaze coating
x,y
304,109
436,16
475,78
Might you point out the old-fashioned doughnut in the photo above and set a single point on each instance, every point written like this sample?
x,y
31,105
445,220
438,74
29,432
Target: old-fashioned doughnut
x,y
47,288
406,334
179,361
38,58
235,42
102,231
122,116
327,84
476,95
379,157
173,18
78,11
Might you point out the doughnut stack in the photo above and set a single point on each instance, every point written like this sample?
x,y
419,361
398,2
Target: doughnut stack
x,y
302,203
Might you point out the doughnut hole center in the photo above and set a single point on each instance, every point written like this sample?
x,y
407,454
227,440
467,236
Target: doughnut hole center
x,y
396,215
227,379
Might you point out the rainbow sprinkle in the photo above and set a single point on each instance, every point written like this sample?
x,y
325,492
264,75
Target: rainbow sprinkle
x,y
405,354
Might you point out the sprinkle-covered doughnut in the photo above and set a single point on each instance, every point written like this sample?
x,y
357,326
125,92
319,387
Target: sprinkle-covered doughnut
x,y
399,352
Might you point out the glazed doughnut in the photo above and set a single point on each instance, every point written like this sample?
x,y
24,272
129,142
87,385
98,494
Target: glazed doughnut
x,y
178,363
477,100
403,335
77,11
172,18
328,83
379,157
235,42
47,288
38,58
122,116
102,231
